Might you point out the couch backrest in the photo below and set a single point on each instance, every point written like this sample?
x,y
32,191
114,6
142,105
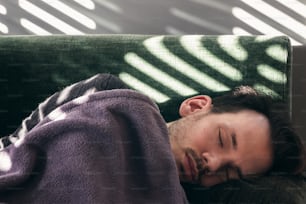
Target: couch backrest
x,y
163,67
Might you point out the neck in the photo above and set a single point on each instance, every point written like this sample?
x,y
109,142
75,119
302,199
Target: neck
x,y
168,124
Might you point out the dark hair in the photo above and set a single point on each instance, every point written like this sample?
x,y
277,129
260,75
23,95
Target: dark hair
x,y
288,150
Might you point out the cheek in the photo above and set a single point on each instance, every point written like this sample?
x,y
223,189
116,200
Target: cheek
x,y
203,139
191,134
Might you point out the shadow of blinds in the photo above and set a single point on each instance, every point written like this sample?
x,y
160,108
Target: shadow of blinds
x,y
193,64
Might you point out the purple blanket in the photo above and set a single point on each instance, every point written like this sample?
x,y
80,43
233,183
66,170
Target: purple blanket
x,y
108,147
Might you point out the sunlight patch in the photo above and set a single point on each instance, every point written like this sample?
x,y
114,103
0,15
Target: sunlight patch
x,y
81,100
162,77
6,163
91,78
232,46
144,88
64,94
156,47
266,90
57,114
194,45
264,38
278,53
272,74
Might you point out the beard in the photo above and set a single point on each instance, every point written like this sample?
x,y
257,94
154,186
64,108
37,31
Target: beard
x,y
179,132
178,140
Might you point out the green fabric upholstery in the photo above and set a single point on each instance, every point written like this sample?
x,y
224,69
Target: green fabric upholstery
x,y
167,68
33,67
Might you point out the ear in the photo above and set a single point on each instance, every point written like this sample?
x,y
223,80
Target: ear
x,y
194,104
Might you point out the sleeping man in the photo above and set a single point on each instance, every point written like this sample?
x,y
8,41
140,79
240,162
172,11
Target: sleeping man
x,y
98,142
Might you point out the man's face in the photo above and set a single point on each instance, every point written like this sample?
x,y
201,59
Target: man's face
x,y
212,148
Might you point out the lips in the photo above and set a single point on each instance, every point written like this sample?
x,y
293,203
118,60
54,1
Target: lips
x,y
190,168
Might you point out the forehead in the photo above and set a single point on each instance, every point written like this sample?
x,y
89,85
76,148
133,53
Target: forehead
x,y
252,131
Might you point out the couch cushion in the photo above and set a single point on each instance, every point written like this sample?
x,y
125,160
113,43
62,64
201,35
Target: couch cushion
x,y
163,67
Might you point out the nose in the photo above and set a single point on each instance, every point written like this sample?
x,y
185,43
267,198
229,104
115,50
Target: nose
x,y
214,162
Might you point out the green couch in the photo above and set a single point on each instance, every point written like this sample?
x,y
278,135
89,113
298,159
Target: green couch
x,y
166,68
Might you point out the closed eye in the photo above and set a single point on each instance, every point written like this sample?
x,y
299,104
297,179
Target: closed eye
x,y
220,138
